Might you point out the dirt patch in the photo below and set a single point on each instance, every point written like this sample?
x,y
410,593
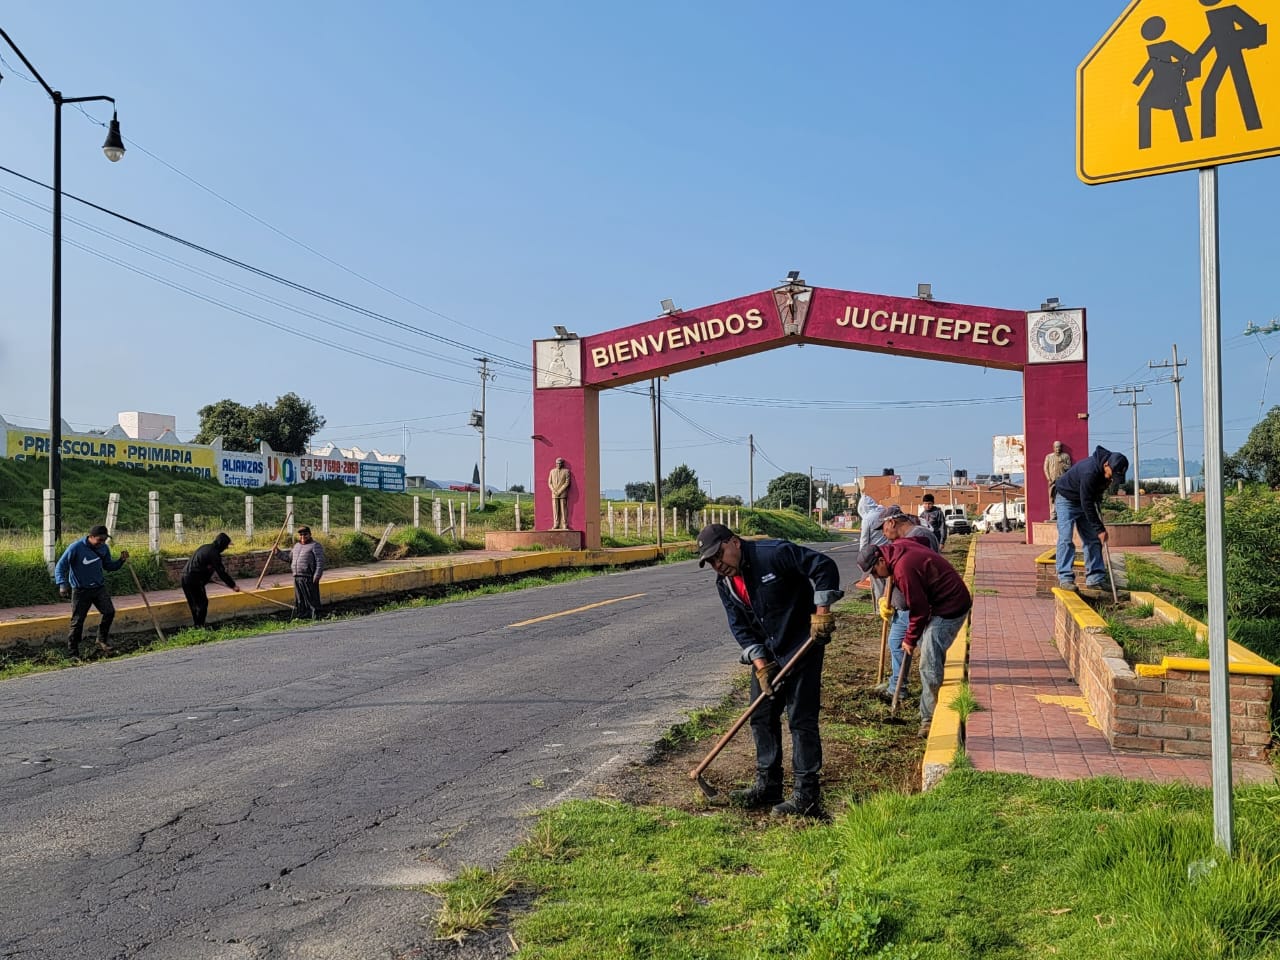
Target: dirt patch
x,y
865,751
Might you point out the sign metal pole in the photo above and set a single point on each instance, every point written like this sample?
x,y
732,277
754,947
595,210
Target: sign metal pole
x,y
1215,567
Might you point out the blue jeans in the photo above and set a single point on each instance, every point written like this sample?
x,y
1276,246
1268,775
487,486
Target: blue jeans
x,y
1072,516
938,636
897,630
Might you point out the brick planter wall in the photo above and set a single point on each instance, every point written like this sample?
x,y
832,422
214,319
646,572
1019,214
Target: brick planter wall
x,y
1047,573
1162,709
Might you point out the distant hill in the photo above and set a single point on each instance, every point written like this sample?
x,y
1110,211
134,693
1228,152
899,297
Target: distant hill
x,y
1166,467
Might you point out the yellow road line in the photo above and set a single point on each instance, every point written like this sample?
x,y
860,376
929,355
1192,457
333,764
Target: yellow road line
x,y
565,613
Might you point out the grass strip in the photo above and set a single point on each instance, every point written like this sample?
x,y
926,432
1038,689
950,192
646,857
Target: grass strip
x,y
985,865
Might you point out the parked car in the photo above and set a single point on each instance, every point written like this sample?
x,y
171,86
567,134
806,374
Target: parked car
x,y
956,520
995,517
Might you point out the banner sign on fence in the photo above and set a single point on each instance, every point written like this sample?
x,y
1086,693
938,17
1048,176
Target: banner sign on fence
x,y
147,455
382,476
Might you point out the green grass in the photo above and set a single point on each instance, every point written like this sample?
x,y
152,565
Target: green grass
x,y
964,702
1187,592
984,866
468,901
1152,643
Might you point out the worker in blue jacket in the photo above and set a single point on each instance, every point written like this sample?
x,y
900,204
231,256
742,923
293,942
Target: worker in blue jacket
x,y
1078,495
81,576
776,593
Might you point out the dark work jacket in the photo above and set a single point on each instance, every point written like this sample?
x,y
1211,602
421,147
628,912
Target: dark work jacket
x,y
785,582
1085,484
206,562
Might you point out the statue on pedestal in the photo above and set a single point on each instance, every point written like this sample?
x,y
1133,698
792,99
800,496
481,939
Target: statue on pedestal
x,y
1055,465
558,480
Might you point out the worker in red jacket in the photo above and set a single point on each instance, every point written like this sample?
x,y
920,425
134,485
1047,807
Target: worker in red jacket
x,y
937,603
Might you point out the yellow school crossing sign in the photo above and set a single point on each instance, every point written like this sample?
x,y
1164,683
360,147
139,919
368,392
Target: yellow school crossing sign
x,y
1176,85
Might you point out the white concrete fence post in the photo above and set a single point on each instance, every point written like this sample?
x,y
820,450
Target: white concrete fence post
x,y
611,518
50,535
178,532
288,514
436,516
626,524
517,513
452,527
324,513
417,512
358,518
113,512
248,517
463,523
153,521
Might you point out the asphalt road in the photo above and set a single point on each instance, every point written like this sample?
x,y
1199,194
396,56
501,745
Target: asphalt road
x,y
272,797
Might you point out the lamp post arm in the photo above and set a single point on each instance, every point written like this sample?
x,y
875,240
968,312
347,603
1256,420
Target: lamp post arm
x,y
23,57
110,100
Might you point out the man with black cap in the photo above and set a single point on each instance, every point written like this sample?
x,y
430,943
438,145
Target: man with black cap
x,y
937,603
775,593
81,576
200,570
1078,504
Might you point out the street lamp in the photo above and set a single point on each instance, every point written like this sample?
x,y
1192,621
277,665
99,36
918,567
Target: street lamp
x,y
114,150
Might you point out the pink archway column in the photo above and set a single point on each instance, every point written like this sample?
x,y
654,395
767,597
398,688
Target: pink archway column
x,y
566,423
1055,406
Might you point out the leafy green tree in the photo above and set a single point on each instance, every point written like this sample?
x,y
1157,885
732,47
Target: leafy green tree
x,y
230,421
287,425
1258,460
641,491
681,476
516,488
729,500
1251,538
791,490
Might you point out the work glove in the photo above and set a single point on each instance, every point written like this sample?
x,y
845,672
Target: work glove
x,y
765,675
822,625
886,609
64,593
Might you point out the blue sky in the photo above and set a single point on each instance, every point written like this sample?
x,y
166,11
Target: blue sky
x,y
483,171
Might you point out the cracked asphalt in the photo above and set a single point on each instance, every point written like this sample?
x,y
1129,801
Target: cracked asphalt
x,y
277,797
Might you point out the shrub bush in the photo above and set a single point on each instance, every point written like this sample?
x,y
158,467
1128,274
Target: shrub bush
x,y
1252,543
420,543
353,548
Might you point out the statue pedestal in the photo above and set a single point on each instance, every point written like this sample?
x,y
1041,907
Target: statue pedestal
x,y
533,540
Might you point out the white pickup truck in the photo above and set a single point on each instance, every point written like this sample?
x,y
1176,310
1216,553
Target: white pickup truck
x,y
995,517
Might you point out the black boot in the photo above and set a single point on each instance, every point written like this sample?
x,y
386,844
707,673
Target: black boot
x,y
762,793
801,805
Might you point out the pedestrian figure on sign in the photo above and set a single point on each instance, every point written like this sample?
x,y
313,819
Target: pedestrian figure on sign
x,y
1231,33
1170,65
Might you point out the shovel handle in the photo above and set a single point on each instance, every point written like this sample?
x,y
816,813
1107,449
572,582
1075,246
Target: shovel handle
x,y
897,687
154,622
746,714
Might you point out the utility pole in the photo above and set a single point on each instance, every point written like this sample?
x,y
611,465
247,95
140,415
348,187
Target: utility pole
x,y
751,470
1135,403
655,402
1177,413
811,492
485,376
951,497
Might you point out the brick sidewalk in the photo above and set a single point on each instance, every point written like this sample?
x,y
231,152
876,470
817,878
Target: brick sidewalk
x,y
1035,719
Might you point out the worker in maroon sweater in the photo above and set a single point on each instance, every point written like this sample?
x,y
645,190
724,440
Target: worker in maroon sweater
x,y
937,602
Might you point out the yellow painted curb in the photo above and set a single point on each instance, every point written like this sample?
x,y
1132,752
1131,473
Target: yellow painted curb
x,y
945,731
1084,615
174,614
1240,660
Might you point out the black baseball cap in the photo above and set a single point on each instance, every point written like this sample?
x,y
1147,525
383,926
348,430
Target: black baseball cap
x,y
710,539
867,558
99,531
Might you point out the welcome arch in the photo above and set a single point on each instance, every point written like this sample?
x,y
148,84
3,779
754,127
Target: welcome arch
x,y
1048,347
